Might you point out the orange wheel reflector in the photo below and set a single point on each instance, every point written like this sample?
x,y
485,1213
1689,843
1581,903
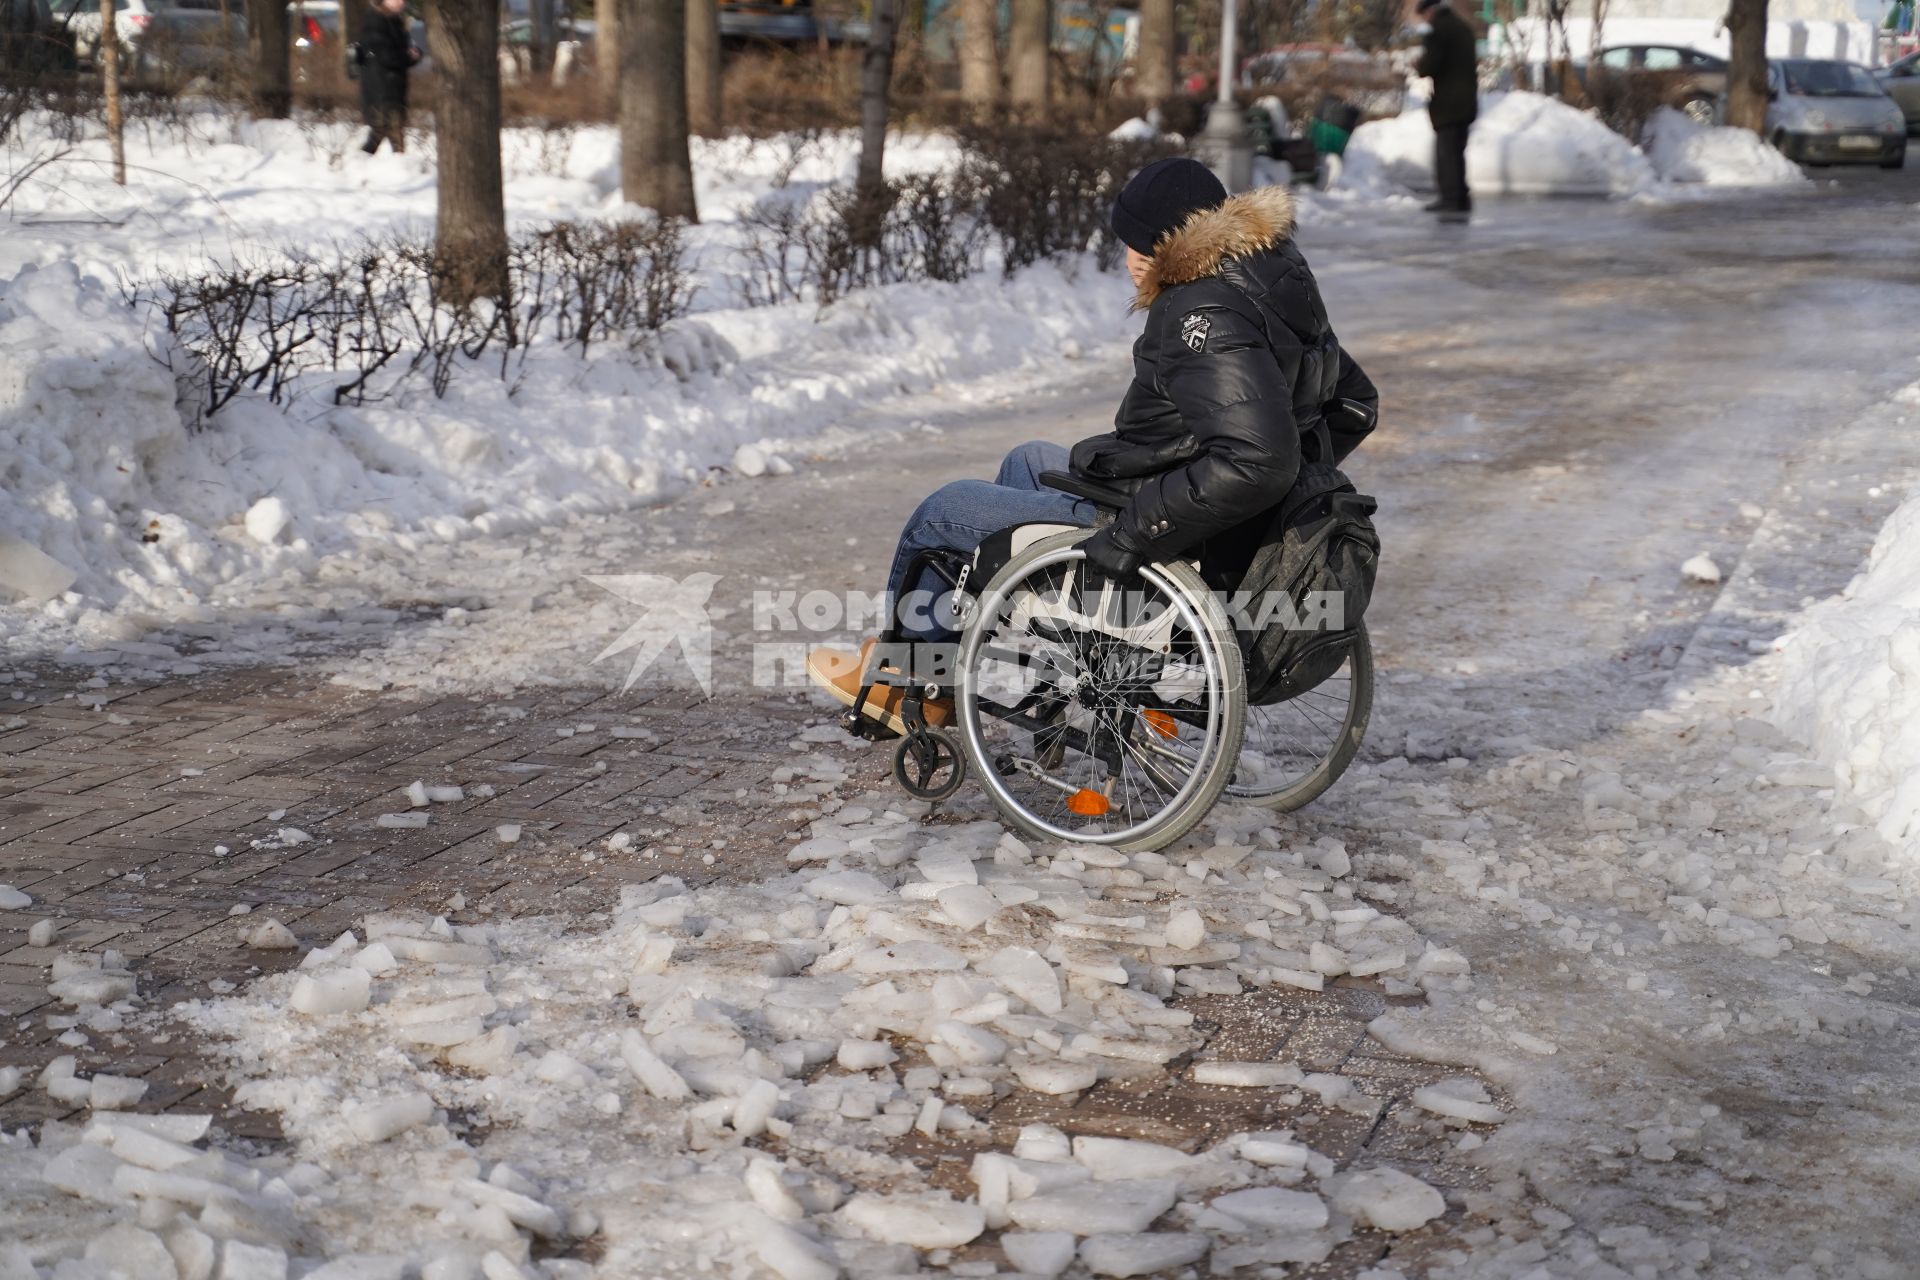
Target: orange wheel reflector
x,y
1162,723
1088,804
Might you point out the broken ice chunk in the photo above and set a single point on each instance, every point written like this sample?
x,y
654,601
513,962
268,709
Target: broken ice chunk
x,y
1128,1159
1038,1253
114,1093
655,1076
755,1108
967,905
1248,1075
1273,1150
1701,569
1142,1254
126,1250
1185,929
970,1044
1461,1098
1056,1076
865,1055
242,1261
377,1121
401,820
12,899
269,935
1025,973
848,888
1387,1199
932,1220
1096,1208
1274,1209
507,833
334,991
42,933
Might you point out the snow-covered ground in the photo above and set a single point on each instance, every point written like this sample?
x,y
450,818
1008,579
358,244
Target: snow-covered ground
x,y
1631,901
150,520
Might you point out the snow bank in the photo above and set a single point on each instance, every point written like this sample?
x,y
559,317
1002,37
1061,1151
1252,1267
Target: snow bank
x,y
1850,682
1682,151
115,518
1522,144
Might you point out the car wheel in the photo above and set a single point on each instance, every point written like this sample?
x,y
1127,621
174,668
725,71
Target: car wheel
x,y
1698,110
1897,162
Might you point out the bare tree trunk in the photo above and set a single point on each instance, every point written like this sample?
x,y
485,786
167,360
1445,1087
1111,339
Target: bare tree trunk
x,y
606,47
270,57
876,78
1153,57
543,28
353,16
655,167
470,231
109,52
1747,65
1028,35
979,58
703,67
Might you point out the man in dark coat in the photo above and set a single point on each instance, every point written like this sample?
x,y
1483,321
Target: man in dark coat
x,y
386,53
1450,61
1236,363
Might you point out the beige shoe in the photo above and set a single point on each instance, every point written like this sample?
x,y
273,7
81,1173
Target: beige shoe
x,y
839,672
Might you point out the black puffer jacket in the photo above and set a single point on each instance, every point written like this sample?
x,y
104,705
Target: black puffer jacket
x,y
1235,363
386,56
1449,59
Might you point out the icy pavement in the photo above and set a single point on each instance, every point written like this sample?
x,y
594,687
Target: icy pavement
x,y
1610,906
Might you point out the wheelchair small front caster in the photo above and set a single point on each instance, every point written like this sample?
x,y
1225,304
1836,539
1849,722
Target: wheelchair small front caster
x,y
928,765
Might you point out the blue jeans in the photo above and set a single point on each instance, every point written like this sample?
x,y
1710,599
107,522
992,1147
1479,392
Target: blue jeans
x,y
961,515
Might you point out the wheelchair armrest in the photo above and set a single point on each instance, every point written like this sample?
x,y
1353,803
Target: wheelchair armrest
x,y
1092,490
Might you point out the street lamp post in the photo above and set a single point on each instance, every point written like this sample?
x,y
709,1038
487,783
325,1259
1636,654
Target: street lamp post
x,y
1224,144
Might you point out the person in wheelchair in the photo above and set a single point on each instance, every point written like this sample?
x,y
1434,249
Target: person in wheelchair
x,y
1235,364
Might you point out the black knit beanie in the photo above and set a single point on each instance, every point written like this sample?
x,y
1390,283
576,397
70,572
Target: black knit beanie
x,y
1160,197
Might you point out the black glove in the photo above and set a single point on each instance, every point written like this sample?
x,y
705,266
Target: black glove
x,y
1114,554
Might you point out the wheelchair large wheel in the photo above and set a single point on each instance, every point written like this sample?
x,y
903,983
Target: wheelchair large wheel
x,y
1295,750
1099,717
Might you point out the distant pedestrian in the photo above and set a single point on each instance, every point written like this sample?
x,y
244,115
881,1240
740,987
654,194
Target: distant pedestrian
x,y
385,54
1450,62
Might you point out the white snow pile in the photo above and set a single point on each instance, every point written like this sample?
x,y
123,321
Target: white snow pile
x,y
1850,684
1522,144
1685,152
115,519
707,1082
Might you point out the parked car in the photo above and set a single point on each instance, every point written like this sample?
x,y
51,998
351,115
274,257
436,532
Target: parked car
x,y
1685,79
193,36
1901,80
1822,111
33,42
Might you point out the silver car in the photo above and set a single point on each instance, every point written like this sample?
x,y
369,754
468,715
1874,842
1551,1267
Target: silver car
x,y
1822,111
1901,80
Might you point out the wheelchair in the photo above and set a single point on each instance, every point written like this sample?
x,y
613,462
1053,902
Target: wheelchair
x,y
1096,715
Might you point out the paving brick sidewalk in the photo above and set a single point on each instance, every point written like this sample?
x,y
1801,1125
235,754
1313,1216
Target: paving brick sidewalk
x,y
115,803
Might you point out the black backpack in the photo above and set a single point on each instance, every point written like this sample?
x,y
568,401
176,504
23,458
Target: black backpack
x,y
1298,593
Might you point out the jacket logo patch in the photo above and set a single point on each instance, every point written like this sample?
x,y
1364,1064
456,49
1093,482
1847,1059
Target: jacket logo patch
x,y
1193,330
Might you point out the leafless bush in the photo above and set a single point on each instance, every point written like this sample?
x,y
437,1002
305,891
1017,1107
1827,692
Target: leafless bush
x,y
329,130
243,326
598,280
925,227
1046,192
396,305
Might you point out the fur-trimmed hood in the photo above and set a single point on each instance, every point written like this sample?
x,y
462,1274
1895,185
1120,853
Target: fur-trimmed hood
x,y
1244,224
